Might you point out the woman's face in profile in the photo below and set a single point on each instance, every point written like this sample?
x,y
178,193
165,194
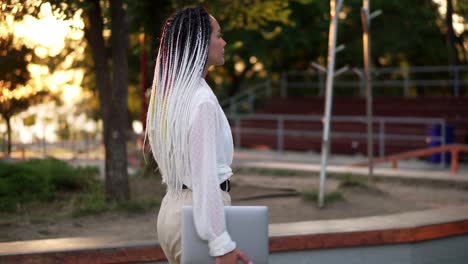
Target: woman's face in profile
x,y
217,43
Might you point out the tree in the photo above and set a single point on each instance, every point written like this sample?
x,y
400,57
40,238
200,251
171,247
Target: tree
x,y
146,18
453,54
250,28
15,96
460,8
112,83
111,72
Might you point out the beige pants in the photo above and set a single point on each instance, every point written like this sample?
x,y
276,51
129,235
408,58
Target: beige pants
x,y
169,223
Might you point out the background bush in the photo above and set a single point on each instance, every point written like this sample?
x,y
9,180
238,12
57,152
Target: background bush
x,y
40,180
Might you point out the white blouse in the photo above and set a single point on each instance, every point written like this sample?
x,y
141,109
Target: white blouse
x,y
211,153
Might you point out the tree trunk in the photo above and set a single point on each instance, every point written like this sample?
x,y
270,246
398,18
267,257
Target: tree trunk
x,y
8,122
452,49
113,135
117,185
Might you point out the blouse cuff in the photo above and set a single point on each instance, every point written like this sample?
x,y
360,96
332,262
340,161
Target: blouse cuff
x,y
221,245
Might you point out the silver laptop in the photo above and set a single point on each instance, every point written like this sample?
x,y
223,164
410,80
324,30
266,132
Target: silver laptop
x,y
247,226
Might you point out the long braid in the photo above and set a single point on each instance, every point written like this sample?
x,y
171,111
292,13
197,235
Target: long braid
x,y
182,56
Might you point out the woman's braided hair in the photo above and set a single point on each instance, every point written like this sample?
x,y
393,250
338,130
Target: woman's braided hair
x,y
178,31
182,58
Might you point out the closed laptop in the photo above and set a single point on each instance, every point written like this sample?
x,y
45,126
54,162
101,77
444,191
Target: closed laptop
x,y
247,226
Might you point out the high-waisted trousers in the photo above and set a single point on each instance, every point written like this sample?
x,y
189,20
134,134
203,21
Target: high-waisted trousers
x,y
169,222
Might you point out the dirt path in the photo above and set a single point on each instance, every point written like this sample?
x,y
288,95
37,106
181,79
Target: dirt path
x,y
280,193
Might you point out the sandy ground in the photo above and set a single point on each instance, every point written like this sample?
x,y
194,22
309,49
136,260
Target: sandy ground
x,y
280,193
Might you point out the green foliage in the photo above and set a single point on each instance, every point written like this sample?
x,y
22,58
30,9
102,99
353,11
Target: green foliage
x,y
48,180
13,76
91,203
41,181
20,184
251,15
349,181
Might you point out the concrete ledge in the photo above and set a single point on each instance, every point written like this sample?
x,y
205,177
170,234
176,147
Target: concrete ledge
x,y
311,235
383,173
80,250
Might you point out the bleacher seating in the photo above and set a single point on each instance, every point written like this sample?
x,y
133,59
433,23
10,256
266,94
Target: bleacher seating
x,y
453,109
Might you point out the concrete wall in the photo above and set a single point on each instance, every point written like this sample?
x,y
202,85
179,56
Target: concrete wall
x,y
453,250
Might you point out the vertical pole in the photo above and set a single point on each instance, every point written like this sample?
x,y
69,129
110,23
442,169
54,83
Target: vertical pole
x,y
367,73
382,138
43,140
456,80
269,89
238,132
251,99
143,79
321,85
442,142
362,86
329,93
406,82
232,106
280,135
284,84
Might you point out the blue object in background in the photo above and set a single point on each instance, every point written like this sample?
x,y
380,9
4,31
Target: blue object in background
x,y
434,134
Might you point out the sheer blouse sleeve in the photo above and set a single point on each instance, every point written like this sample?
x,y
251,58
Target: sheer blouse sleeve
x,y
207,198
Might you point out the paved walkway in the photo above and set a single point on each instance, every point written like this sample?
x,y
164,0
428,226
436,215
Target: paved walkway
x,y
408,169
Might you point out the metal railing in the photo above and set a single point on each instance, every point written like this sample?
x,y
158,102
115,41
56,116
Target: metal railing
x,y
245,101
452,77
381,136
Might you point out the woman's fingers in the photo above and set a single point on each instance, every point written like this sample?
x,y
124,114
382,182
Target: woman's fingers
x,y
243,257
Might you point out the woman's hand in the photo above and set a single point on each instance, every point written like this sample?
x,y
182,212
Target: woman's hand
x,y
232,258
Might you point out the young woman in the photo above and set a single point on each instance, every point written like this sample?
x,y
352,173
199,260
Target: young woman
x,y
189,134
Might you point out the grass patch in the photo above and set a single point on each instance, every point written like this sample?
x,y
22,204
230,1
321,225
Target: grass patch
x,y
349,181
90,203
330,197
44,232
353,182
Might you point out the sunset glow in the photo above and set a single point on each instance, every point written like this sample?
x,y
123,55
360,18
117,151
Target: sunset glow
x,y
48,36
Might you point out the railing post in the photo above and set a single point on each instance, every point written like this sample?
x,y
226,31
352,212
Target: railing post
x,y
251,99
442,142
238,131
284,84
406,82
280,135
269,89
382,137
321,83
232,106
362,87
456,80
454,164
